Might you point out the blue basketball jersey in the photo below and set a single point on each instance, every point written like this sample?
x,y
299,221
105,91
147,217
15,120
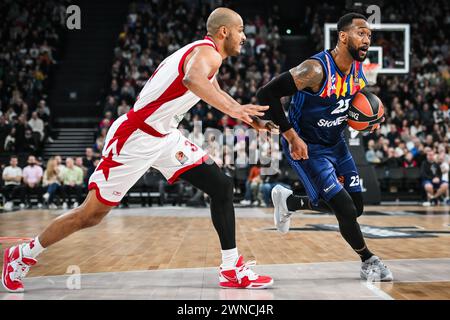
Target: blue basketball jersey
x,y
321,117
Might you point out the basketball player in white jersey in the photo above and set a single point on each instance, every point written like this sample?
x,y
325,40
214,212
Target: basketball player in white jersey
x,y
148,137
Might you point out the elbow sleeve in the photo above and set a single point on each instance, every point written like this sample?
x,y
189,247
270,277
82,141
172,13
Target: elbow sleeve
x,y
271,93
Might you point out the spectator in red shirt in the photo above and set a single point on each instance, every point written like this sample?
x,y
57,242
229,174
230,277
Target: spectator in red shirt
x,y
409,161
252,186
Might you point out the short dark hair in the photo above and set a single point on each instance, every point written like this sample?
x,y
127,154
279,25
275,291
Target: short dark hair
x,y
347,19
13,157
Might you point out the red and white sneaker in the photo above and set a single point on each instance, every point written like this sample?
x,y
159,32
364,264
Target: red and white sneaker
x,y
242,277
15,268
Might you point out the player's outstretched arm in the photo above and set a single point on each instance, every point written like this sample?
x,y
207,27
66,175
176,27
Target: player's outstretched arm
x,y
258,123
308,74
203,63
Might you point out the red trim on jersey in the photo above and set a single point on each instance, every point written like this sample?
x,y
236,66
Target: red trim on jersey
x,y
211,39
175,90
93,185
182,170
183,58
156,71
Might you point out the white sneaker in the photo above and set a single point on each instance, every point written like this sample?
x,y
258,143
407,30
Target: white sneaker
x,y
22,206
75,205
52,206
39,205
46,196
426,204
374,270
245,202
255,203
8,206
65,206
281,214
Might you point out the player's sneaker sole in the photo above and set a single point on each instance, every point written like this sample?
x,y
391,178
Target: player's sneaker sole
x,y
254,286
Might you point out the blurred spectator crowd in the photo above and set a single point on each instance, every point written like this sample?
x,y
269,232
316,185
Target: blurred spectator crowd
x,y
55,183
31,33
415,134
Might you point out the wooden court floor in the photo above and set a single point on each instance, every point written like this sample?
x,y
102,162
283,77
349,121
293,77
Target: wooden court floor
x,y
171,238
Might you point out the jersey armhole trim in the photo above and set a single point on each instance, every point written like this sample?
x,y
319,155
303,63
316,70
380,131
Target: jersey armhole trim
x,y
366,83
183,58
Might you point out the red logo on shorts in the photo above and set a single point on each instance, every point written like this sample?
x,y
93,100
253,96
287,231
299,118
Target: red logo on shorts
x,y
181,157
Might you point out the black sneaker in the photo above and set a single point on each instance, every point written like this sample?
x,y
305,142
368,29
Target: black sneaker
x,y
434,201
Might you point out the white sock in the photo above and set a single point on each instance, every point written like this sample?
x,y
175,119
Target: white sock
x,y
229,257
32,249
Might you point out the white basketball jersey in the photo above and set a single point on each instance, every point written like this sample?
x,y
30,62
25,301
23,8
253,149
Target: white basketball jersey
x,y
164,99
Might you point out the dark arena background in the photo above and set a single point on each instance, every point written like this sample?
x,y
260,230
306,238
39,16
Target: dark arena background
x,y
70,69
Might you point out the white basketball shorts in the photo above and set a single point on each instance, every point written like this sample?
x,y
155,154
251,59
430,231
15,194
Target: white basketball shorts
x,y
131,148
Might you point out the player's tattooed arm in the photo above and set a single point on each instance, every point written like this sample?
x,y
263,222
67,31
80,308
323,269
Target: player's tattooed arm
x,y
308,75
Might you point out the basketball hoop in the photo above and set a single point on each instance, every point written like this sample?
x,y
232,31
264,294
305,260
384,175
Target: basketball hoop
x,y
371,72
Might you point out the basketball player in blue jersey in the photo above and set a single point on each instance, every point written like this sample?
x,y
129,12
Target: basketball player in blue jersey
x,y
313,139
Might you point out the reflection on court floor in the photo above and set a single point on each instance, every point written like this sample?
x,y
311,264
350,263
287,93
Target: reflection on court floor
x,y
174,253
332,280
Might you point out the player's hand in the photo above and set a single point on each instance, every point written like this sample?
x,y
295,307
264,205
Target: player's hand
x,y
244,112
264,125
436,180
377,125
297,147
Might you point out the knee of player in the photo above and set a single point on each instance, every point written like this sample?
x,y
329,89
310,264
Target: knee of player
x,y
88,216
359,211
359,207
91,219
224,190
358,201
347,213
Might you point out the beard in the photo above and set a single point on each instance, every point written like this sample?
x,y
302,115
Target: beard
x,y
229,48
354,52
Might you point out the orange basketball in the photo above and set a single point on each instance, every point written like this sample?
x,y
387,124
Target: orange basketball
x,y
365,112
